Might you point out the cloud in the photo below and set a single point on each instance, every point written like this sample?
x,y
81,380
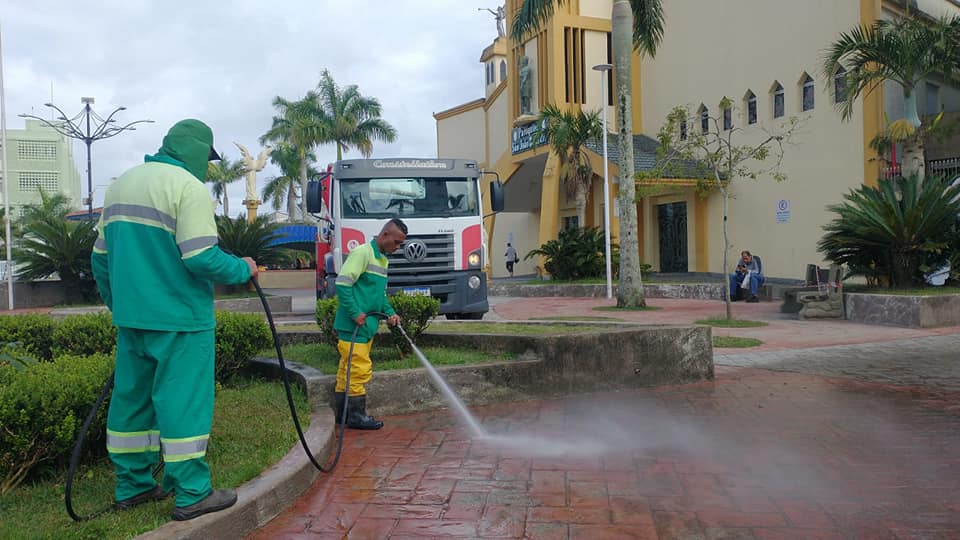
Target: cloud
x,y
223,62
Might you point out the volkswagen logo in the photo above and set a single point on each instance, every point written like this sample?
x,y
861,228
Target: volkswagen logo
x,y
415,251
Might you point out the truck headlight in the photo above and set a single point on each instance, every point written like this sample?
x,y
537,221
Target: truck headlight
x,y
473,259
474,282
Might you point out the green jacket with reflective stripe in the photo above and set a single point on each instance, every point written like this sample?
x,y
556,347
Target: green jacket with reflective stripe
x,y
156,256
361,288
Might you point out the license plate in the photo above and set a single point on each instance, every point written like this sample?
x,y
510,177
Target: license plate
x,y
425,291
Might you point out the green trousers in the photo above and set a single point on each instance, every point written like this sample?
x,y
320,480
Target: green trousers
x,y
162,399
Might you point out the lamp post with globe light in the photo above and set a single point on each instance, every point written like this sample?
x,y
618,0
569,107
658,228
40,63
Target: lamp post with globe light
x,y
604,70
87,126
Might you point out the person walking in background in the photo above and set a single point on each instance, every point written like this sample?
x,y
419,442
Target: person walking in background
x,y
511,257
155,261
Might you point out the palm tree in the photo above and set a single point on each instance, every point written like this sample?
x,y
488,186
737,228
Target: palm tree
x,y
568,132
51,205
221,174
283,189
905,51
638,23
354,119
303,125
52,245
244,239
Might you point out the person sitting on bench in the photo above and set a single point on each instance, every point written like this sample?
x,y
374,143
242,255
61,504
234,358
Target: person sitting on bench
x,y
749,275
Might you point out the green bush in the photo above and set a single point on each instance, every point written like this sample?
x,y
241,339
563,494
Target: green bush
x,y
42,409
415,311
577,254
326,312
239,336
33,332
84,335
892,232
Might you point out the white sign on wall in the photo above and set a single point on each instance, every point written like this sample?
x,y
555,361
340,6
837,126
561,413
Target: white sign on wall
x,y
783,211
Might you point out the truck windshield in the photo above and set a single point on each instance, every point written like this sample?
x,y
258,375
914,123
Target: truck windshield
x,y
379,198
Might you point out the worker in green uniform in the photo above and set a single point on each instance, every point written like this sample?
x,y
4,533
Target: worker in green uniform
x,y
155,261
362,288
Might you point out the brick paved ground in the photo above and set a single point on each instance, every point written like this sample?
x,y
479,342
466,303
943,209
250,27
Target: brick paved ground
x,y
755,454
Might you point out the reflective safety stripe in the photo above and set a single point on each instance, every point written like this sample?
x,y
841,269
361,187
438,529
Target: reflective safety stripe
x,y
197,243
374,269
345,280
139,211
132,442
184,449
100,244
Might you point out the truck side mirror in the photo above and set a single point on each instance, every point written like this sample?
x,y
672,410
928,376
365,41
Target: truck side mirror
x,y
496,196
314,197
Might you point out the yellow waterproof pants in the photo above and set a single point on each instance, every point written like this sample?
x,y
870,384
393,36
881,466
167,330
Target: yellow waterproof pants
x,y
361,368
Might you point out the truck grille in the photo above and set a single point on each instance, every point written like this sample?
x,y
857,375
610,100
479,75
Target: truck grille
x,y
431,270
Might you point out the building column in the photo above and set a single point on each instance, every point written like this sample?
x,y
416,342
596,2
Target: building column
x,y
549,202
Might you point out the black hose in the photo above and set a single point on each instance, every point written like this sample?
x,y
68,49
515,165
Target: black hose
x,y
286,385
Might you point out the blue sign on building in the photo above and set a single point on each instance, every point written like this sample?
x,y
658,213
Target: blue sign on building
x,y
528,136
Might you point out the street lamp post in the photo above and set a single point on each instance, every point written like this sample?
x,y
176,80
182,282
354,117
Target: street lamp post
x,y
96,130
604,69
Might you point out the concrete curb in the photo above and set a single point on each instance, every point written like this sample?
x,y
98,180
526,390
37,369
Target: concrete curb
x,y
264,497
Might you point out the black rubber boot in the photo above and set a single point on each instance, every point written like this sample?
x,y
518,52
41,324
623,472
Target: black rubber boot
x,y
219,499
339,398
156,493
357,414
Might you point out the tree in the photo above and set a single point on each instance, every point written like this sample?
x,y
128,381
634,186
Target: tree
x,y
51,205
638,23
568,134
221,174
354,120
906,51
717,157
52,245
282,189
895,231
244,239
303,125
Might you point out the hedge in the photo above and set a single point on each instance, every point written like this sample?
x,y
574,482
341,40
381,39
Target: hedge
x,y
42,409
415,313
43,402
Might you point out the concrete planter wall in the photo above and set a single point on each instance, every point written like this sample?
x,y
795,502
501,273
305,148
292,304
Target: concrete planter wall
x,y
699,291
278,304
623,357
897,310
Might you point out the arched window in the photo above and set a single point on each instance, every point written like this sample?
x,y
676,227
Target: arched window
x,y
807,93
727,115
503,70
704,119
750,105
778,99
840,85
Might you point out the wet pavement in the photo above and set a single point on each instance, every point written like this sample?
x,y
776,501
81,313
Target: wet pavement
x,y
753,454
829,430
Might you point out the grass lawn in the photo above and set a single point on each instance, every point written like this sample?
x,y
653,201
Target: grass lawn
x,y
723,322
325,357
924,291
735,342
252,429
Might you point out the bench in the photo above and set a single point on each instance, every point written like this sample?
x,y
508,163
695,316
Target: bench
x,y
819,298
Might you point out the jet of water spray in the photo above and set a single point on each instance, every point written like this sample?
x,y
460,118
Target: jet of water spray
x,y
476,430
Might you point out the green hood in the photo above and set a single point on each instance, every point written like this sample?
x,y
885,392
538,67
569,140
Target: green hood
x,y
187,144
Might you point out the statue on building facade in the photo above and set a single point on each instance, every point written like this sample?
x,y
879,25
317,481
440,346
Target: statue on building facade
x,y
253,166
526,85
500,16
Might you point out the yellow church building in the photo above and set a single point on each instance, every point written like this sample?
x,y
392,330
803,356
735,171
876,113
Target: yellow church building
x,y
764,55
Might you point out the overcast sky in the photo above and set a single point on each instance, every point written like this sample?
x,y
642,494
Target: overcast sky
x,y
223,63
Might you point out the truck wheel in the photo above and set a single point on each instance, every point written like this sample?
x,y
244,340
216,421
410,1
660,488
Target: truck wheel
x,y
472,316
